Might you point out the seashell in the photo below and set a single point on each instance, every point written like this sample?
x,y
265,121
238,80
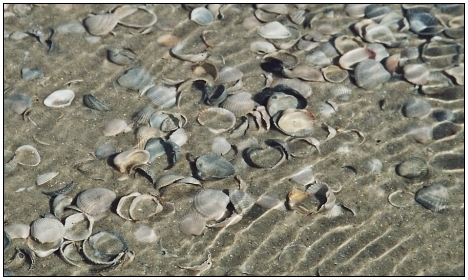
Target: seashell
x,y
344,44
262,47
376,12
440,54
434,197
445,129
47,230
217,120
391,63
41,250
301,202
177,51
241,201
421,133
421,22
135,79
374,166
265,16
301,87
123,56
369,74
6,242
213,167
280,101
341,92
284,44
239,103
143,116
411,53
145,234
443,115
104,248
92,102
30,74
167,121
27,155
21,9
416,73
69,187
144,133
413,168
59,204
17,103
326,109
95,201
334,74
104,151
294,122
416,108
143,207
379,50
250,23
156,147
273,8
220,146
269,202
179,137
46,177
192,223
123,206
355,10
59,98
270,158
218,95
378,33
305,73
211,203
323,192
318,58
102,24
116,126
70,28
161,96
166,180
69,253
304,45
304,176
350,59
78,227
173,153
458,73
17,231
128,160
228,75
298,16
201,16
273,30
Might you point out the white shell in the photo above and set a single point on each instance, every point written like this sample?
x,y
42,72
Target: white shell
x,y
217,120
59,98
161,96
239,103
220,146
126,161
115,127
78,227
192,223
304,176
44,178
143,207
17,230
179,137
273,30
202,16
95,201
211,203
27,151
262,47
47,230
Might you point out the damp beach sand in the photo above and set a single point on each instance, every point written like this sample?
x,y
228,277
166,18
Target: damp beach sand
x,y
330,136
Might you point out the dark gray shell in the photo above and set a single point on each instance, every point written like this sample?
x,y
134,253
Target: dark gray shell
x,y
213,167
422,22
413,168
92,102
122,56
135,79
434,197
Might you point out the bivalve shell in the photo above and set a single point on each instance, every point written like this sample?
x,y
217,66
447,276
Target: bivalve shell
x,y
101,24
416,73
47,230
78,227
413,168
92,102
213,167
17,230
17,103
273,30
434,197
211,203
46,177
370,74
294,122
116,126
128,160
27,155
60,98
241,201
334,74
220,146
95,201
416,108
201,16
161,96
104,248
239,103
228,75
217,120
144,206
192,223
135,79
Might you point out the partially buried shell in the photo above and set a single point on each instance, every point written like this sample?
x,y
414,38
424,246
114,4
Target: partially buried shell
x,y
220,146
27,155
241,201
122,56
104,150
416,73
202,16
29,74
145,234
217,120
128,160
422,22
116,126
135,79
101,24
370,74
211,203
92,102
156,148
434,197
294,122
334,74
17,230
95,201
47,230
161,96
416,108
239,103
143,115
340,92
104,247
213,167
144,133
46,177
228,75
413,168
192,223
59,98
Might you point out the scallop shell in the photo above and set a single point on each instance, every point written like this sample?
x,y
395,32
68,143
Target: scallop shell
x,y
116,126
213,167
211,203
241,201
135,79
47,230
220,146
128,160
334,74
122,56
144,133
78,227
27,155
201,16
17,103
104,151
60,98
369,74
416,73
294,122
161,96
92,102
192,223
17,230
350,59
374,166
341,92
143,115
95,201
239,103
376,12
434,197
273,30
46,177
101,24
413,168
145,234
143,207
30,74
217,120
228,75
416,108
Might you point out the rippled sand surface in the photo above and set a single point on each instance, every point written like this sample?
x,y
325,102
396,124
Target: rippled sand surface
x,y
379,239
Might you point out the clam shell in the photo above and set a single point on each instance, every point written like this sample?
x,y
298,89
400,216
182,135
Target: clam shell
x,y
198,57
273,30
192,223
144,206
59,204
213,167
374,166
17,103
344,44
434,197
78,227
294,122
228,75
350,59
262,47
145,234
143,116
241,201
416,73
440,54
41,250
376,12
104,151
413,168
239,103
301,87
30,74
156,148
422,22
95,201
211,203
341,92
369,74
69,253
123,206
458,73
304,72
167,121
179,137
280,101
416,108
46,177
128,160
220,146
298,16
27,155
377,33
269,202
161,96
122,56
304,176
391,63
334,74
92,102
379,50
217,120
104,248
17,230
116,126
270,157
47,230
60,98
273,8
201,16
166,180
101,24
144,133
135,79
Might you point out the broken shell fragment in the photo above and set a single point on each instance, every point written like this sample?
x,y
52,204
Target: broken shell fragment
x,y
30,74
95,201
128,160
116,126
213,167
123,206
166,180
59,98
434,197
17,103
198,57
46,177
144,133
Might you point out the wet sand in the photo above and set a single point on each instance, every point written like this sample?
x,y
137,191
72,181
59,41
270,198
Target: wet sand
x,y
379,239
